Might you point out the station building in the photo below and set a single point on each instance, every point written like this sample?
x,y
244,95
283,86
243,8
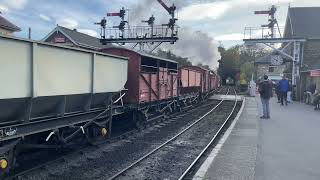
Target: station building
x,y
72,37
7,28
263,66
303,22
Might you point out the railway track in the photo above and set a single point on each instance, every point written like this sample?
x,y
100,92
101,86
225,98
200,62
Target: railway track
x,y
166,160
107,159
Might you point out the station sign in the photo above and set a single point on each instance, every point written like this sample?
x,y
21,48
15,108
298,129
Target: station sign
x,y
315,73
59,39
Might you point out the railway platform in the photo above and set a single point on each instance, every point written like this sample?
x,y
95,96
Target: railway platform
x,y
283,147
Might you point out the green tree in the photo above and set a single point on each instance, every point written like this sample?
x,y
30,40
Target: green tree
x,y
247,69
248,56
229,62
239,58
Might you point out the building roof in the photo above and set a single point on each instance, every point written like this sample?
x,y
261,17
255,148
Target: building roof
x,y
304,22
267,59
78,38
143,54
264,60
156,57
195,67
5,24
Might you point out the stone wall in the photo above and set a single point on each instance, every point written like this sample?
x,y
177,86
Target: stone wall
x,y
311,54
263,69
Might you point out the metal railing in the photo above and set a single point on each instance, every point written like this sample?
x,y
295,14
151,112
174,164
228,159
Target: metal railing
x,y
262,32
141,32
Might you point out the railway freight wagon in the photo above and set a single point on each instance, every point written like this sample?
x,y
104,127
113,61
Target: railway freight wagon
x,y
51,94
196,80
152,84
217,81
213,81
192,80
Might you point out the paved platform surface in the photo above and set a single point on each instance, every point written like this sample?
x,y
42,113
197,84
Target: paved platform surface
x,y
237,156
287,146
289,143
226,97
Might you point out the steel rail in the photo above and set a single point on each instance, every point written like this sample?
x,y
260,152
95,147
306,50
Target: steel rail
x,y
41,165
168,141
212,140
59,158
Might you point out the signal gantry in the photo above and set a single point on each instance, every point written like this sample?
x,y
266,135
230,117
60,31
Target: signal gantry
x,y
150,35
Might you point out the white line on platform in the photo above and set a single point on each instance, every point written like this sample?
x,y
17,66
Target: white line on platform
x,y
205,166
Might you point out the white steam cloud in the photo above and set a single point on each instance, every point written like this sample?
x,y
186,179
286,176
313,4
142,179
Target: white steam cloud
x,y
138,12
198,46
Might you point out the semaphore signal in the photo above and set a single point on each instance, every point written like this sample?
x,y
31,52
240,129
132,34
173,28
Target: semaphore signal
x,y
151,35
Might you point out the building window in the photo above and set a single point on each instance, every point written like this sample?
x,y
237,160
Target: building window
x,y
271,69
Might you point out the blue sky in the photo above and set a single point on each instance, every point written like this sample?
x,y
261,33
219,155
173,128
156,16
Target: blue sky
x,y
222,19
43,15
216,20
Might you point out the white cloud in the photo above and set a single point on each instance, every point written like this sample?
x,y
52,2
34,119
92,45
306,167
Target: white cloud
x,y
89,32
215,10
247,3
68,23
4,9
201,11
45,18
229,37
15,4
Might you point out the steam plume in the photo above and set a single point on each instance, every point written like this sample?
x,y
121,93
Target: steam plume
x,y
198,46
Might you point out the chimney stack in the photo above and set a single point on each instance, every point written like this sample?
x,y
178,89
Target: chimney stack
x,y
29,33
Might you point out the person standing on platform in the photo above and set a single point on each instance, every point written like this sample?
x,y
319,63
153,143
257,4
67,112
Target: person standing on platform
x,y
316,100
309,94
284,88
289,95
265,90
277,89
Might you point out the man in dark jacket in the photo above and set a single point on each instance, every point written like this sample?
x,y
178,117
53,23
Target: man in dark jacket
x,y
265,90
284,88
277,89
316,99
